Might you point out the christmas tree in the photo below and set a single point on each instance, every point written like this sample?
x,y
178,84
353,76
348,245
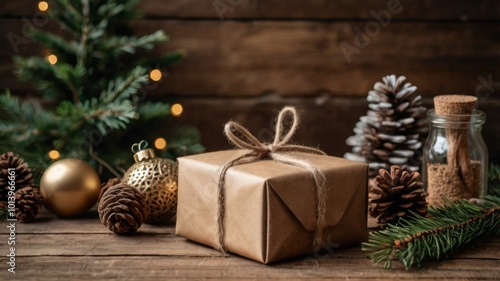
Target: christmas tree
x,y
93,82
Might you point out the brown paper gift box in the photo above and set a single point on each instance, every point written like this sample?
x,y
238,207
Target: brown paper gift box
x,y
270,206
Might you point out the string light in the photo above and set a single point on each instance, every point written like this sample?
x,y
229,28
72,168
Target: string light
x,y
155,75
160,143
52,59
43,6
176,109
54,154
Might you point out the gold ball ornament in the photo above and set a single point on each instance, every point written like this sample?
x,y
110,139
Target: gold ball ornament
x,y
70,187
156,179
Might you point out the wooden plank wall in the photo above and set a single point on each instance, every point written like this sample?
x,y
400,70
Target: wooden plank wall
x,y
264,54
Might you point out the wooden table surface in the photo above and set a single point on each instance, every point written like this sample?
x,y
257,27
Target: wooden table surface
x,y
51,248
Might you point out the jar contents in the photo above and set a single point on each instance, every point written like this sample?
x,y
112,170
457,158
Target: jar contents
x,y
451,185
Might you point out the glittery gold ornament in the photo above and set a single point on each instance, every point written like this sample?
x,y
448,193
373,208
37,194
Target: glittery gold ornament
x,y
156,179
70,187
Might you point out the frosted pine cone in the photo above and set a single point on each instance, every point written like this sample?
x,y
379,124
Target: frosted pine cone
x,y
394,128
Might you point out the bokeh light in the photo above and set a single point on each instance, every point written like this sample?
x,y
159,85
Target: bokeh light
x,y
176,109
155,75
54,154
43,6
160,143
52,59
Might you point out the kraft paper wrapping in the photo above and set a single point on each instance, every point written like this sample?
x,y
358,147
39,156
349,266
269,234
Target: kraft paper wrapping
x,y
270,206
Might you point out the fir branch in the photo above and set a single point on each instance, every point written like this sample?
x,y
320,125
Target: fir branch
x,y
65,51
69,16
71,76
41,73
128,44
494,180
123,88
446,229
151,110
106,117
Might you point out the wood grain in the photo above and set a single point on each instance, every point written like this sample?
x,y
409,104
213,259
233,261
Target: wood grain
x,y
301,58
78,249
461,10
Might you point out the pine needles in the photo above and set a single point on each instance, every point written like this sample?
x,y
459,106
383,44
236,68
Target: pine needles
x,y
446,229
494,180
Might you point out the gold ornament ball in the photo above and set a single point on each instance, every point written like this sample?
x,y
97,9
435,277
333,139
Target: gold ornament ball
x,y
70,187
156,179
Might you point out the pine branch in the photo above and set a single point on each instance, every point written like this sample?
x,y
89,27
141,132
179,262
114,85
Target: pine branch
x,y
151,110
126,44
494,180
446,229
123,88
29,130
65,51
107,117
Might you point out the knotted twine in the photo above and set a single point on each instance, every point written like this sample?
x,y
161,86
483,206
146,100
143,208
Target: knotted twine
x,y
280,151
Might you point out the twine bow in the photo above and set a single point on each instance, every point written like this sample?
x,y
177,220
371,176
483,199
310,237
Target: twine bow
x,y
279,151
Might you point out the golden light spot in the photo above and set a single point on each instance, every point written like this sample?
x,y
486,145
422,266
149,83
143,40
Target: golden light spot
x,y
52,59
160,143
54,154
176,109
43,6
155,75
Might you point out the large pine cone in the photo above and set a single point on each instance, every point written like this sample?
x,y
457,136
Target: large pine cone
x,y
28,202
396,194
22,172
122,209
394,128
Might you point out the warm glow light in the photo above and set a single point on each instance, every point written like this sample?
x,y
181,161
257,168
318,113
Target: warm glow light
x,y
54,154
160,143
155,75
176,109
43,6
52,59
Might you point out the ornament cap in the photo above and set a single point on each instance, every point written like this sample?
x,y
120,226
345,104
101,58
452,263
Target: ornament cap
x,y
144,154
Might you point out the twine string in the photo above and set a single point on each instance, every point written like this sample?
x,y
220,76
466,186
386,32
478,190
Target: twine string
x,y
280,151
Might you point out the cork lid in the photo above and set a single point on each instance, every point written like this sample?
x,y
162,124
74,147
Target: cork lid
x,y
454,104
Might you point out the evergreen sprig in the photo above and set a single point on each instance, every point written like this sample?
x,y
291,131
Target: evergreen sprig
x,y
494,180
446,229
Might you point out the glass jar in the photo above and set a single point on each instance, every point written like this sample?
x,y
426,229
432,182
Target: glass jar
x,y
455,160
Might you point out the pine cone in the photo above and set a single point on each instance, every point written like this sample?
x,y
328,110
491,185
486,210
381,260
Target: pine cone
x,y
105,186
396,194
122,209
28,202
393,130
22,173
